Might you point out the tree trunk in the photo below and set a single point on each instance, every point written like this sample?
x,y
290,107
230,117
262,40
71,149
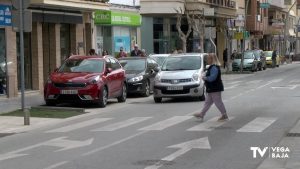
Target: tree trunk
x,y
184,45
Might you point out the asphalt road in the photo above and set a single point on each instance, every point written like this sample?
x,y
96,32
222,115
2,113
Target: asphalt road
x,y
140,134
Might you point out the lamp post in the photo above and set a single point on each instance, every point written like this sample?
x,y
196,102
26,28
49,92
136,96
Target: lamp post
x,y
245,27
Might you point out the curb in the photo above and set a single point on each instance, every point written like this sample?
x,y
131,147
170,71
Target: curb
x,y
81,110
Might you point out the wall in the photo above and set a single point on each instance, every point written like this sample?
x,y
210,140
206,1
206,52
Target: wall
x,y
147,34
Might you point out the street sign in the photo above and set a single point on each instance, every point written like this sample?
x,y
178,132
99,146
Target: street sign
x,y
16,3
5,15
27,18
264,5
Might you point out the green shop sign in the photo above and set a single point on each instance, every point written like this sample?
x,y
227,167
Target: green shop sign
x,y
117,18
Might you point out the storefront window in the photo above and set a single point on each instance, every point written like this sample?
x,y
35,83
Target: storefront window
x,y
121,39
27,61
3,63
104,39
65,41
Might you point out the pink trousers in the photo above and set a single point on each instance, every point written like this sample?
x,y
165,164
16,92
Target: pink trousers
x,y
215,98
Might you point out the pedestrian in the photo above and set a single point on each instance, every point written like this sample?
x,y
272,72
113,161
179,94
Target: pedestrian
x,y
122,54
233,55
105,53
274,56
136,51
92,52
214,87
225,58
143,54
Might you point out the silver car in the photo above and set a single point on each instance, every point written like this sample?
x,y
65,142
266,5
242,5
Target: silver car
x,y
180,76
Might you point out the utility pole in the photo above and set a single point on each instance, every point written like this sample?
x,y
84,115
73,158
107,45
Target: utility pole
x,y
286,28
245,28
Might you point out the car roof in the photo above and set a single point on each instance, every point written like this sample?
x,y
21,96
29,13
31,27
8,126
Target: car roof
x,y
133,58
89,57
159,55
188,54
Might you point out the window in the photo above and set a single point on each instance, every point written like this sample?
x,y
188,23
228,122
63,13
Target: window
x,y
115,64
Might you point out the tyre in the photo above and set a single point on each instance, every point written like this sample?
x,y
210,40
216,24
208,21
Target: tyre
x,y
147,89
103,98
265,68
50,103
157,99
123,96
277,65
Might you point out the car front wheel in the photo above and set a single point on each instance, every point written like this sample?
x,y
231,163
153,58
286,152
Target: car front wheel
x,y
123,96
103,98
147,89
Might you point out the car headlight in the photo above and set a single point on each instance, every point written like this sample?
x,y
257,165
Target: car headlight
x,y
196,77
95,80
136,79
157,78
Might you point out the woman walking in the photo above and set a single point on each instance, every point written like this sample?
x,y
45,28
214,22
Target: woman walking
x,y
214,87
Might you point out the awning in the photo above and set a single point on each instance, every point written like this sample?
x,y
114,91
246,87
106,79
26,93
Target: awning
x,y
292,32
71,4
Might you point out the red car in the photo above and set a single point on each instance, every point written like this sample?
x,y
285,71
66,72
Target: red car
x,y
86,79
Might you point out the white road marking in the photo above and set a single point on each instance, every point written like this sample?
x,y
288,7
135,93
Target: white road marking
x,y
202,143
56,165
294,81
234,82
114,143
231,87
254,81
166,123
61,142
257,125
209,125
270,82
123,124
78,125
291,87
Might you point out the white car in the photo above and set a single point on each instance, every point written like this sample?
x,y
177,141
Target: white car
x,y
180,76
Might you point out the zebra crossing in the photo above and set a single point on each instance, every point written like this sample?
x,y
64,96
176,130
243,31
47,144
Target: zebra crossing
x,y
257,125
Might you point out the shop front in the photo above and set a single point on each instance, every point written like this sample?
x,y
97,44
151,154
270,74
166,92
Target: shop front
x,y
116,30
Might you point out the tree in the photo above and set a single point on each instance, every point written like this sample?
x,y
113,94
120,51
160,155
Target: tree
x,y
181,13
198,20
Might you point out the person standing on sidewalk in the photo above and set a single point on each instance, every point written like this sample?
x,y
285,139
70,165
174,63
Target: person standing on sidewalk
x,y
274,55
214,87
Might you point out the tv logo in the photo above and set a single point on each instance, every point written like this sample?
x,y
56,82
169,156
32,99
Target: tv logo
x,y
261,152
273,152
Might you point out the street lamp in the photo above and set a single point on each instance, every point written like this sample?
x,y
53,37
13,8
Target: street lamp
x,y
245,27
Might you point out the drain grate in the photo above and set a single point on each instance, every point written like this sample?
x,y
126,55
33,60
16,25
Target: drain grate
x,y
293,135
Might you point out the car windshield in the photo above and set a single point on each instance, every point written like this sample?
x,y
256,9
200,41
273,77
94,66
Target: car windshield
x,y
248,55
159,60
82,65
257,54
182,63
134,65
268,53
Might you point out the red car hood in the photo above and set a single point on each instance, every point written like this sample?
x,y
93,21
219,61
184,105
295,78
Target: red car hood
x,y
73,77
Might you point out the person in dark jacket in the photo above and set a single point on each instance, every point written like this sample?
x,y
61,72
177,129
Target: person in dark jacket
x,y
274,55
214,87
225,58
136,51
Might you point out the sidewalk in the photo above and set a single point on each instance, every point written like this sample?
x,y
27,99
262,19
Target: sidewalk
x,y
292,142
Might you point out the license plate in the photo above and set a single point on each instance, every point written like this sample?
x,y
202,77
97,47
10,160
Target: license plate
x,y
175,88
69,92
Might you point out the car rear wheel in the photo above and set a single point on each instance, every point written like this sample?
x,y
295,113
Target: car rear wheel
x,y
103,98
123,96
147,89
157,99
50,103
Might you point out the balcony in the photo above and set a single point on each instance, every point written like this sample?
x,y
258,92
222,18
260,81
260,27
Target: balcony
x,y
161,6
257,24
73,4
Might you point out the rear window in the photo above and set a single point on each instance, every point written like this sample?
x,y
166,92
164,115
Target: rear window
x,y
82,65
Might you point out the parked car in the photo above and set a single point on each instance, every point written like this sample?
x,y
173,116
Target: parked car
x,y
180,76
86,79
261,60
268,55
159,58
250,62
140,74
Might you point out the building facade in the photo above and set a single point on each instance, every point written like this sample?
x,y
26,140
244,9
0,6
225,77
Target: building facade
x,y
60,28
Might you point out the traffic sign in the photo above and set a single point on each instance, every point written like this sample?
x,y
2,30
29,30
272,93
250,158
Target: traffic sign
x,y
264,5
16,4
5,15
27,18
